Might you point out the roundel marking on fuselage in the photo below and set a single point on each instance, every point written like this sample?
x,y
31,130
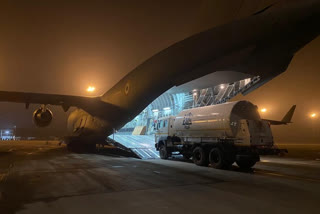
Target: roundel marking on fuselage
x,y
127,88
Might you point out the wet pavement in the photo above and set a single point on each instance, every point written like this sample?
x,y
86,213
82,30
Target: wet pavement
x,y
43,177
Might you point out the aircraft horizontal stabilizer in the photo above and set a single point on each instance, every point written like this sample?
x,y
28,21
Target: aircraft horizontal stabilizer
x,y
285,120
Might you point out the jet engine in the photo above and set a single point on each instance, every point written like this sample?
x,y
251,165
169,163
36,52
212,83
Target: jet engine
x,y
42,117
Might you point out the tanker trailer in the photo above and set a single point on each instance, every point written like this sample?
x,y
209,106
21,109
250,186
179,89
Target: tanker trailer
x,y
219,134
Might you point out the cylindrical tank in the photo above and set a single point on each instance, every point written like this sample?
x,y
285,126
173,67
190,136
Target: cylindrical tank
x,y
220,120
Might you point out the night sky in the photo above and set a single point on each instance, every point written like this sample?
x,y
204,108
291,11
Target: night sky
x,y
64,46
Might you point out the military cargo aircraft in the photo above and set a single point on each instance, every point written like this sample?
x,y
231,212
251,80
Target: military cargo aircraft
x,y
260,44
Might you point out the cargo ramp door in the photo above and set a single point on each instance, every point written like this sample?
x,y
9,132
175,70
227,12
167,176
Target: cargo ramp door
x,y
142,146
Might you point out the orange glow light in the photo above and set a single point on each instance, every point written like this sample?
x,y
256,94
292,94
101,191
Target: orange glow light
x,y
91,89
313,115
263,110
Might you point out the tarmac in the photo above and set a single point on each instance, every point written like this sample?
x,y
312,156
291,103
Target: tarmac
x,y
43,177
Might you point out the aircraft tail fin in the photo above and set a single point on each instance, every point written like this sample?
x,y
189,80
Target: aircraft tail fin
x,y
287,118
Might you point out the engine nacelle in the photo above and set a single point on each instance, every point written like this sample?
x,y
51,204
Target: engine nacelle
x,y
42,117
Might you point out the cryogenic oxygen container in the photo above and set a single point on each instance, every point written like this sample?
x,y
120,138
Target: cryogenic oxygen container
x,y
222,120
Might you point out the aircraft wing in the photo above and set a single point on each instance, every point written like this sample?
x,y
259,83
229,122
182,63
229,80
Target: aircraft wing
x,y
92,105
66,101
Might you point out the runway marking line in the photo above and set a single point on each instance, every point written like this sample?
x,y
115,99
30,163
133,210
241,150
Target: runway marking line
x,y
288,176
117,166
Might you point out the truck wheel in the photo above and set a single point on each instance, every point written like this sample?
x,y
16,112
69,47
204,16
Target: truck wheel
x,y
163,152
200,157
246,164
216,158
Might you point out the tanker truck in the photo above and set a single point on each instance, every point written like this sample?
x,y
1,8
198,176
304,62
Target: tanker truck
x,y
219,135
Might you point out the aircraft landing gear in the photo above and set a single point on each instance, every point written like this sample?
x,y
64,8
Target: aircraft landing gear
x,y
81,148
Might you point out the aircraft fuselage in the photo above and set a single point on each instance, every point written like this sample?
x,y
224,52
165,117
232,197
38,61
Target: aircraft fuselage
x,y
261,45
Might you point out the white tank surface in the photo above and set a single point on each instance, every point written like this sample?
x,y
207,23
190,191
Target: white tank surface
x,y
223,121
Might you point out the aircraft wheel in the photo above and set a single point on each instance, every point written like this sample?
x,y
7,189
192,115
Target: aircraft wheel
x,y
90,148
81,148
163,152
200,157
71,147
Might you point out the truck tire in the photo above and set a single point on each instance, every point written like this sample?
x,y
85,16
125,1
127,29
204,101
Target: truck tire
x,y
163,152
216,158
246,164
200,157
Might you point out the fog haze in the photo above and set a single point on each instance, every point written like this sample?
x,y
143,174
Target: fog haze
x,y
58,47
